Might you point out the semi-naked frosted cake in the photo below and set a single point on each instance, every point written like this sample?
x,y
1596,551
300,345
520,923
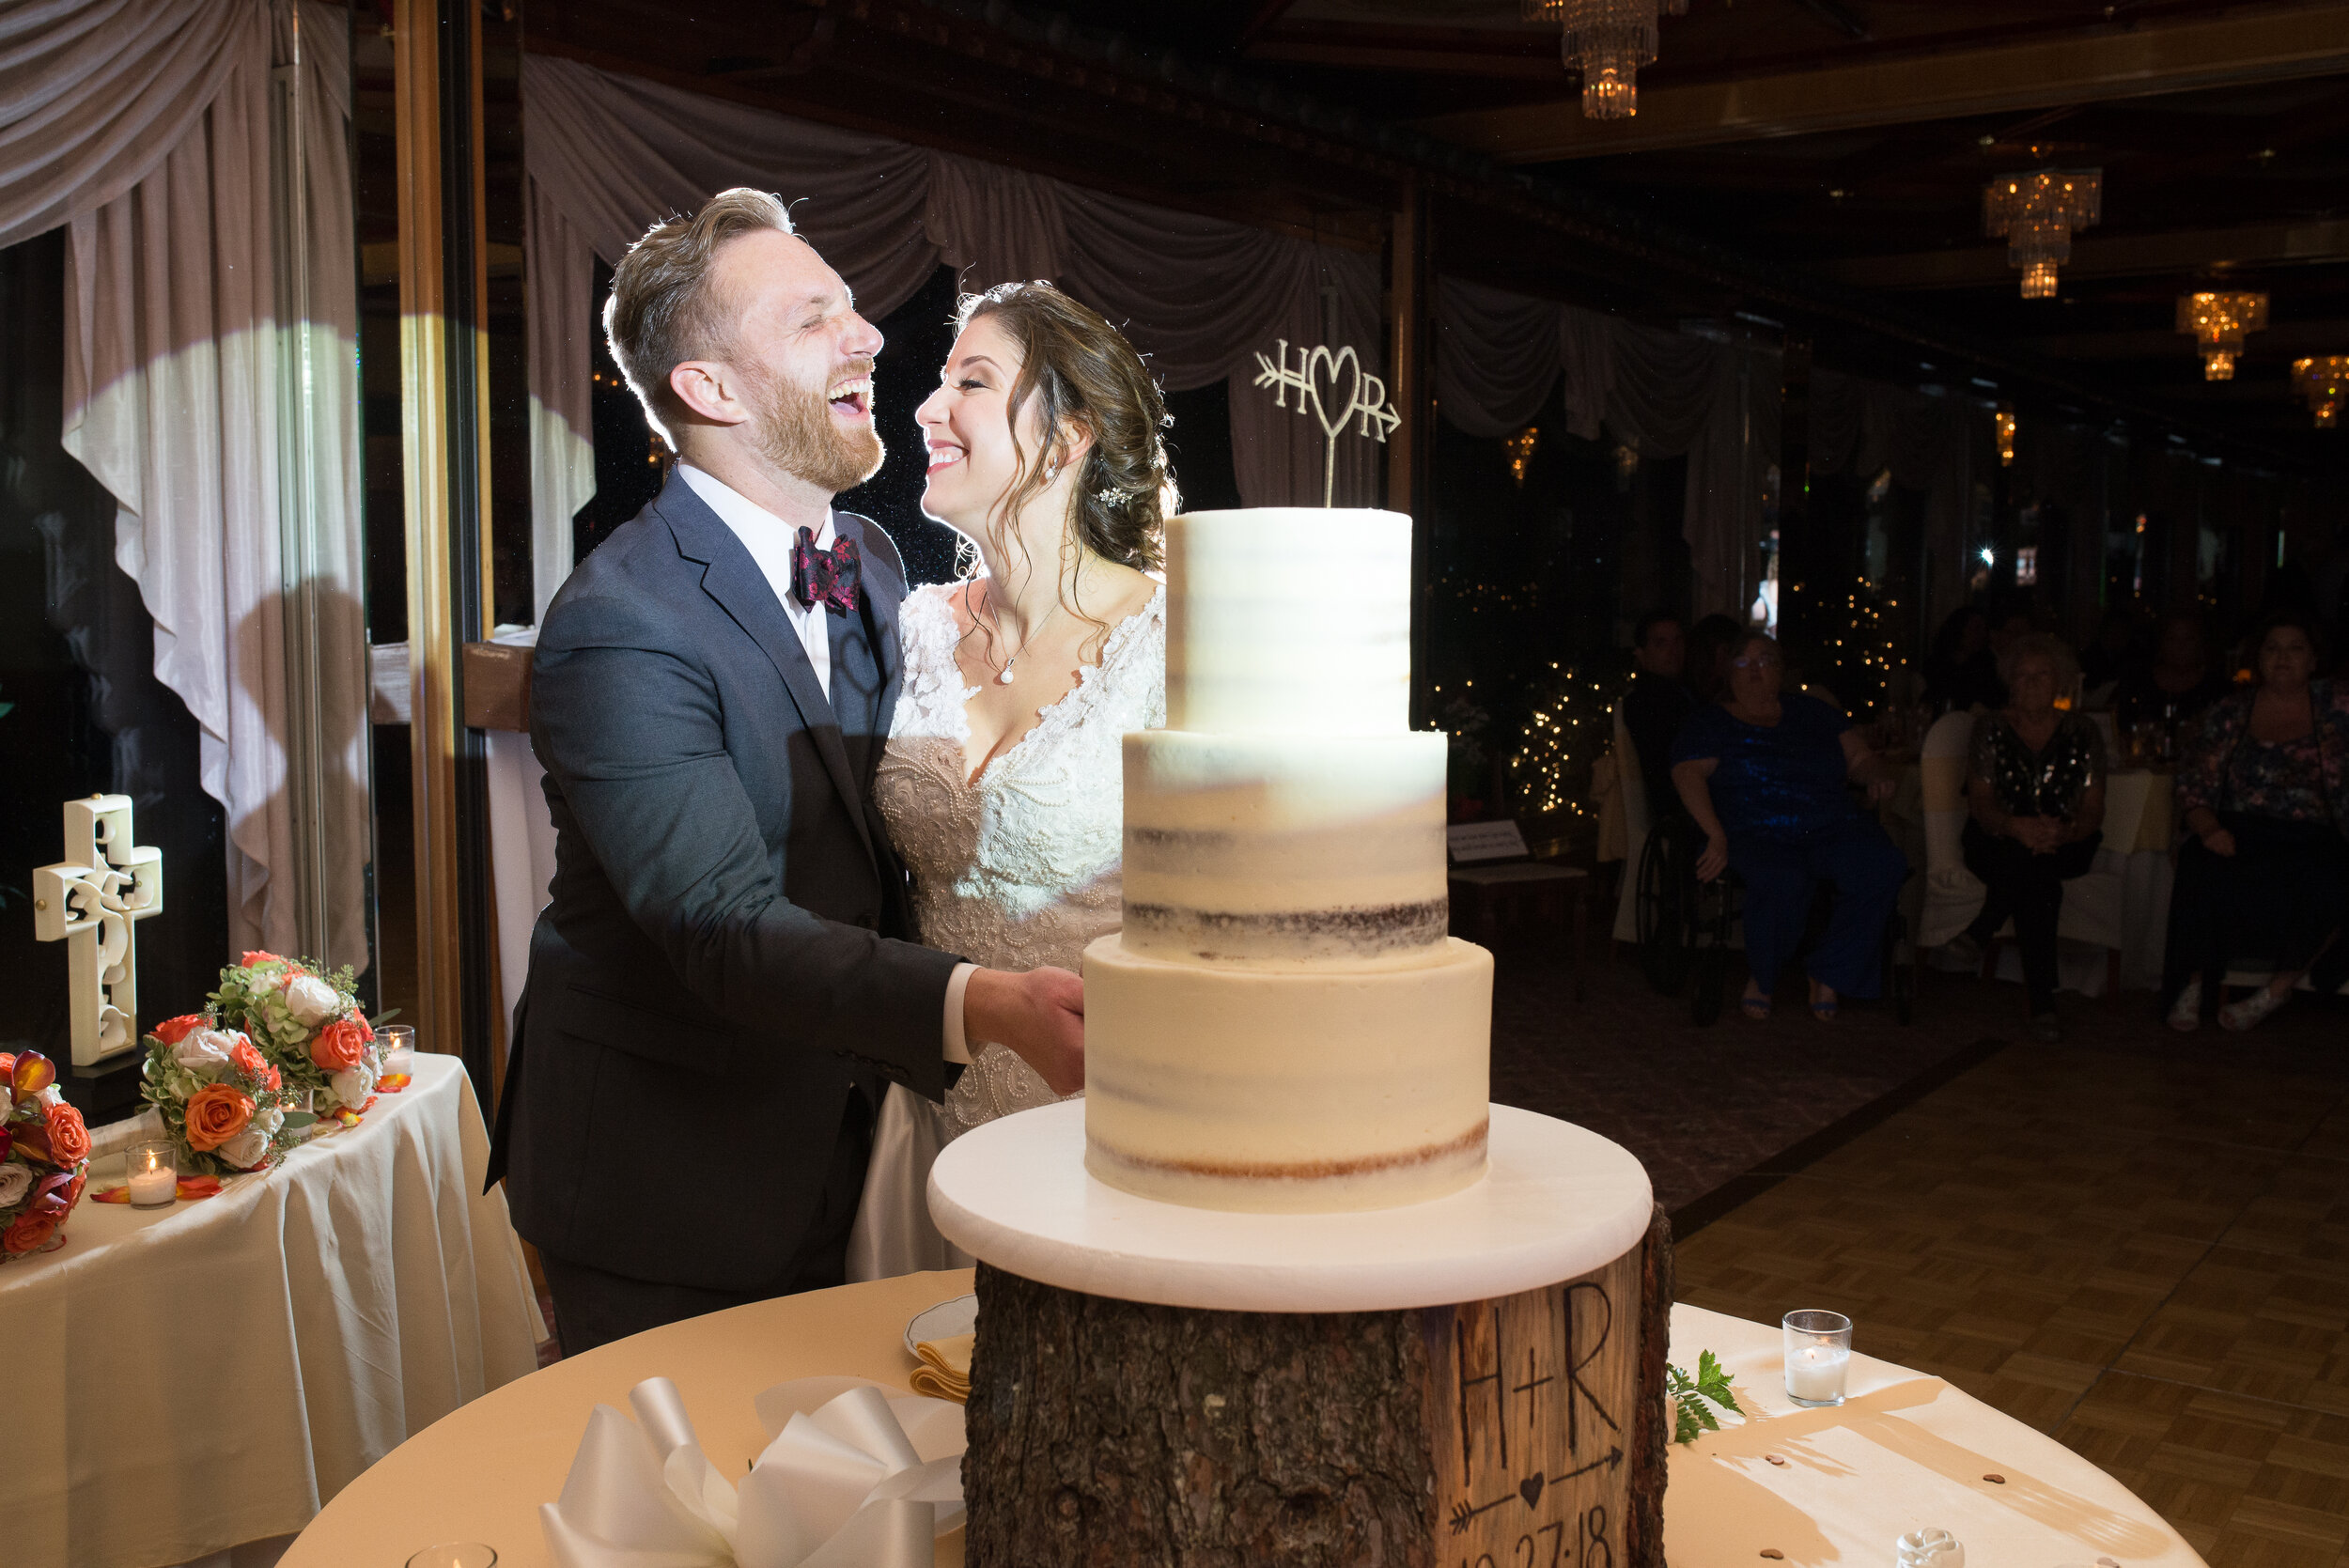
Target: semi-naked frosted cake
x,y
1283,1024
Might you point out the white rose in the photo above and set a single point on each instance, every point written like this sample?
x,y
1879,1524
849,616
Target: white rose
x,y
205,1051
246,1150
51,1096
15,1181
266,1123
353,1087
311,1001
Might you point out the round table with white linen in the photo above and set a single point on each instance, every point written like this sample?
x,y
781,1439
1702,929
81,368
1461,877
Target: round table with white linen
x,y
188,1379
1905,1452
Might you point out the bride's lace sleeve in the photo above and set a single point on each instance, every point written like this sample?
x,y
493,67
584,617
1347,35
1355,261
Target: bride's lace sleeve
x,y
995,1084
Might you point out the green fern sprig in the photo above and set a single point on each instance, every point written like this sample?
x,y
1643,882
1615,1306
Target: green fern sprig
x,y
1696,1397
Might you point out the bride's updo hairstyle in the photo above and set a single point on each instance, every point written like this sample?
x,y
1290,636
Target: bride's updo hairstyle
x,y
1080,369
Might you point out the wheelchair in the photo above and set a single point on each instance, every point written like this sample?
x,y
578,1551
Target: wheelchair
x,y
1686,928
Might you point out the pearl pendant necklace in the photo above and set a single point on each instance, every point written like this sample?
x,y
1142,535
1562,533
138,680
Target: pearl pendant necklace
x,y
1003,677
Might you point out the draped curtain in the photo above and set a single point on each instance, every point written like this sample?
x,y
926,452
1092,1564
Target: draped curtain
x,y
606,156
1663,394
1927,441
145,128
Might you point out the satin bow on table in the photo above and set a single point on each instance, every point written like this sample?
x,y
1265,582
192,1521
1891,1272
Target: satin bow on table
x,y
825,577
842,1483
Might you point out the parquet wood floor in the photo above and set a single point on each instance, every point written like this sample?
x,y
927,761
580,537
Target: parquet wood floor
x,y
2138,1243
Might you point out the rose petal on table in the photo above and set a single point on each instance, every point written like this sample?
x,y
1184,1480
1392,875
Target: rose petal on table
x,y
193,1188
111,1195
392,1083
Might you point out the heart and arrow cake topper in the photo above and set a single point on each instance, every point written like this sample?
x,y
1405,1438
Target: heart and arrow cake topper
x,y
1316,369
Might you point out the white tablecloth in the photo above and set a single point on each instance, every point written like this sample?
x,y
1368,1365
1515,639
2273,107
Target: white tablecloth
x,y
1905,1451
182,1380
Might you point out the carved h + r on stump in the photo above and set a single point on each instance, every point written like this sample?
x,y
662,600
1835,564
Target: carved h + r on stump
x,y
1498,1434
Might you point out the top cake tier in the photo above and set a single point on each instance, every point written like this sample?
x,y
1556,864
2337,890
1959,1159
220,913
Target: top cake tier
x,y
1288,620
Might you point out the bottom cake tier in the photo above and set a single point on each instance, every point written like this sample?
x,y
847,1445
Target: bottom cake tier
x,y
1296,1089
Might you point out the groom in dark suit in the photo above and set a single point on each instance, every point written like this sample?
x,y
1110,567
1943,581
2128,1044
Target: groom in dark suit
x,y
725,979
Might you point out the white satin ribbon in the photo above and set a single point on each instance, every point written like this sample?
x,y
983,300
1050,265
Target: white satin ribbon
x,y
852,1477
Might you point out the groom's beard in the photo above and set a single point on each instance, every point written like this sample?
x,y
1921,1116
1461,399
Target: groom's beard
x,y
794,430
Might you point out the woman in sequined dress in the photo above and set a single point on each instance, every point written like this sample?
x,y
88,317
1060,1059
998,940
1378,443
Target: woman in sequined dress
x,y
2036,790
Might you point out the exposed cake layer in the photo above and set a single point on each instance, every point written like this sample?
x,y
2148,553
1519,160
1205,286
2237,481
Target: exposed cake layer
x,y
1288,620
1257,848
1304,1090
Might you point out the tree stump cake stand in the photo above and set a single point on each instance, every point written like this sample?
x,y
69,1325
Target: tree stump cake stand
x,y
1475,1382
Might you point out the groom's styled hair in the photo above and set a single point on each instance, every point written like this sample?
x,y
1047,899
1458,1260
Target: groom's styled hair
x,y
660,313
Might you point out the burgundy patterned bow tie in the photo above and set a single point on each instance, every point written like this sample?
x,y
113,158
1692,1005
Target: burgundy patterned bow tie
x,y
825,577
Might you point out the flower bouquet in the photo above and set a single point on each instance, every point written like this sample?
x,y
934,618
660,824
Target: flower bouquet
x,y
44,1155
221,1100
305,1023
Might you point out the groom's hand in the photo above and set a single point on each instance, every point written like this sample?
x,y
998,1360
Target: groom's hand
x,y
1040,1016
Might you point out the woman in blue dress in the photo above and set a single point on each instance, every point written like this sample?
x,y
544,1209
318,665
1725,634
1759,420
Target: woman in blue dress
x,y
1765,773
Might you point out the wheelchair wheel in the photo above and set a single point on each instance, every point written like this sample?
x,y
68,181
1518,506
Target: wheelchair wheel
x,y
1662,913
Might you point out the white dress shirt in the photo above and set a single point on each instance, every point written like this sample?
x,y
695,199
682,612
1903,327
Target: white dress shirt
x,y
770,539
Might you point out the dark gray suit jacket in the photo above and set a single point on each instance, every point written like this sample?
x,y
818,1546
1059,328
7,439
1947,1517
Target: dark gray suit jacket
x,y
726,955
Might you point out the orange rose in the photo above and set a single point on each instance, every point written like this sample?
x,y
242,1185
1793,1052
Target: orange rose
x,y
216,1113
8,1066
30,1232
69,1136
270,1078
248,1061
172,1030
258,957
340,1045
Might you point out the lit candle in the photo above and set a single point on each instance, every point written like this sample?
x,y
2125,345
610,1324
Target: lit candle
x,y
154,1175
1816,1371
1818,1354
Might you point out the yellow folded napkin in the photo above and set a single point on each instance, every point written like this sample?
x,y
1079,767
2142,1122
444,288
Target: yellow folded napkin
x,y
945,1369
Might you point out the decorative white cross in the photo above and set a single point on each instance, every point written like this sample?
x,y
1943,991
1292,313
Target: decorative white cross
x,y
90,901
1365,397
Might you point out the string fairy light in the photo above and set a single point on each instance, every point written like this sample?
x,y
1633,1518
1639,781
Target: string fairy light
x,y
1571,725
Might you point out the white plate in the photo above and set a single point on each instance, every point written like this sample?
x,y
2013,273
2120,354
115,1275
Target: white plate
x,y
942,1322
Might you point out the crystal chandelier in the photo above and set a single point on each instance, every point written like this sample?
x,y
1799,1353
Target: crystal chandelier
x,y
2218,324
2325,382
1608,41
2036,213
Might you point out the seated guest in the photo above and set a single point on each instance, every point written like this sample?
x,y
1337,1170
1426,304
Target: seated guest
x,y
1763,773
1961,672
2264,792
2179,686
2035,782
1656,706
1707,667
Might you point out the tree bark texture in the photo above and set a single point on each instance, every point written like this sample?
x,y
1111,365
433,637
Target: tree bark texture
x,y
1118,1433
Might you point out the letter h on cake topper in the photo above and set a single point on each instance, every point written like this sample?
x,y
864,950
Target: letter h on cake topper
x,y
1365,399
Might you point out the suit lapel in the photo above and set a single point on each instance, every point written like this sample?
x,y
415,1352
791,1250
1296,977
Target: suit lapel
x,y
732,578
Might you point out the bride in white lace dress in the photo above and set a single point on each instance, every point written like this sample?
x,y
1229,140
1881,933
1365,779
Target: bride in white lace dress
x,y
1002,782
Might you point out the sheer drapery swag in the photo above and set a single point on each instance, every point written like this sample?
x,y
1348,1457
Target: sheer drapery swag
x,y
145,128
606,156
1929,442
1663,394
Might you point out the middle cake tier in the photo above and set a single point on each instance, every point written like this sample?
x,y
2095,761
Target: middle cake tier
x,y
1260,848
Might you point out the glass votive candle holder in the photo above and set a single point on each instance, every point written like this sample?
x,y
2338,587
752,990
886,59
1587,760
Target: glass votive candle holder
x,y
1818,1355
399,1048
153,1170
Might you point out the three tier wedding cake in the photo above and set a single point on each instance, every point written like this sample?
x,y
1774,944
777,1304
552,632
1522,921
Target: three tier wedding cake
x,y
1284,1023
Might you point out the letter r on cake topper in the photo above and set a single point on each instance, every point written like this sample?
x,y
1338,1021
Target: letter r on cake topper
x,y
1365,397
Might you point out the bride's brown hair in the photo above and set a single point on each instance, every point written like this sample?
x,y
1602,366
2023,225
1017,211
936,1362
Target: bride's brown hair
x,y
1082,371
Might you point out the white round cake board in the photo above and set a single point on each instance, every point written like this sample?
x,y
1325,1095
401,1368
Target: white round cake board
x,y
1558,1201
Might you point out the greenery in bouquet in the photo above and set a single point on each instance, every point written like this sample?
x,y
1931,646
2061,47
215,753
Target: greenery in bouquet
x,y
308,1023
44,1155
221,1100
